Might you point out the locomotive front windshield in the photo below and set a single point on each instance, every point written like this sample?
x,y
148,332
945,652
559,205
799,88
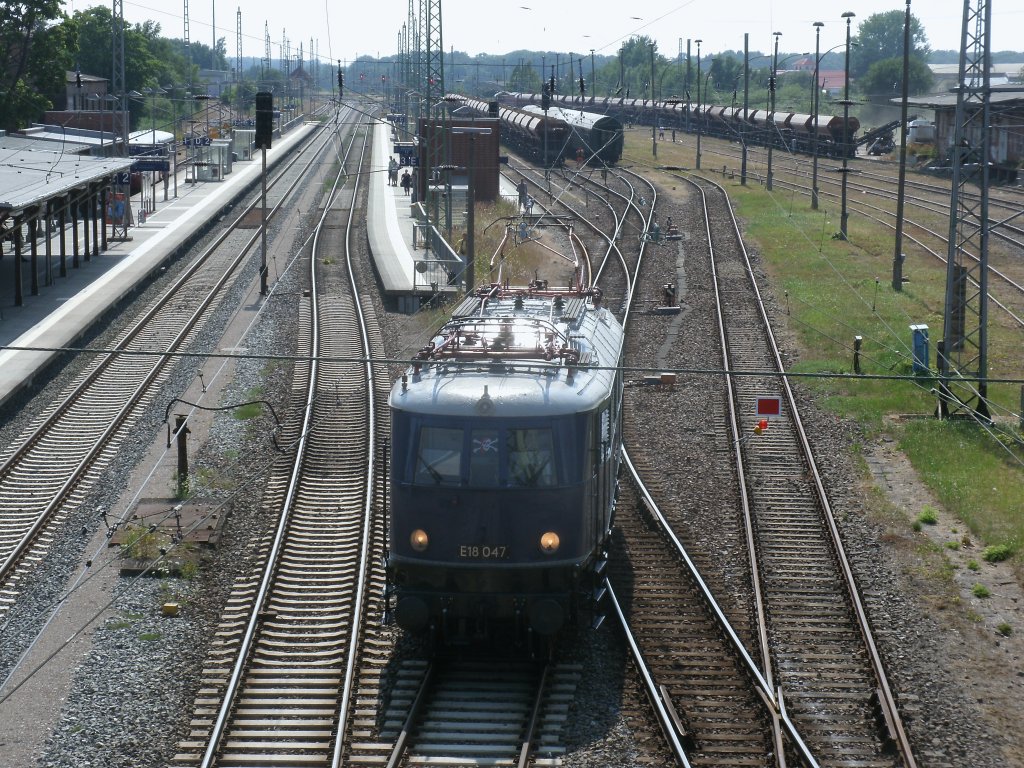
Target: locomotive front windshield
x,y
512,456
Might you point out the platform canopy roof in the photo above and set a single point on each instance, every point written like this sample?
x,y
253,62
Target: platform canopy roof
x,y
32,172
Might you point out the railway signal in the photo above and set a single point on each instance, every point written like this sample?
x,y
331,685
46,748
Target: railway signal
x,y
767,407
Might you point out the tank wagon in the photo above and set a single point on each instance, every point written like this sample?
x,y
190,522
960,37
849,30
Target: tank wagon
x,y
791,131
561,134
506,443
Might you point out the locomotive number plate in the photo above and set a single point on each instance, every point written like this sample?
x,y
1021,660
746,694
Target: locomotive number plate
x,y
483,552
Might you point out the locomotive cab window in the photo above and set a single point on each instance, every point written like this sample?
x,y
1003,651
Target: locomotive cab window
x,y
439,458
494,456
530,458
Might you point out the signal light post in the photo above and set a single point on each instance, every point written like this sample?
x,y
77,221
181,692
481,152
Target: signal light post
x,y
264,132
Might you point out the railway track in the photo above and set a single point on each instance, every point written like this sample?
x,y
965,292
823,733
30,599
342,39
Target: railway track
x,y
279,688
824,660
50,470
472,711
717,705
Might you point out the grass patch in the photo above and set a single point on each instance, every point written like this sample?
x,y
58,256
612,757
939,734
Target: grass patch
x,y
189,569
119,625
149,636
1004,629
970,477
250,410
141,543
973,565
953,545
980,590
214,479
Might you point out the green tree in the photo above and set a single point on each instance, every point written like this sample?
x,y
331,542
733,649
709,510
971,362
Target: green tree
x,y
635,56
727,75
150,61
880,36
35,37
524,79
885,77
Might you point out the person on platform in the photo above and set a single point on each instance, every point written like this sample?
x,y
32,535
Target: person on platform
x,y
406,182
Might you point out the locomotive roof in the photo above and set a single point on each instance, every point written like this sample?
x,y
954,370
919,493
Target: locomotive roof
x,y
522,352
577,118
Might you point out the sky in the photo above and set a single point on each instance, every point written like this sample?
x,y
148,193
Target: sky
x,y
346,30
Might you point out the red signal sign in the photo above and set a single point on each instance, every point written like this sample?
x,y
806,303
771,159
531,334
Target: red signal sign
x,y
769,406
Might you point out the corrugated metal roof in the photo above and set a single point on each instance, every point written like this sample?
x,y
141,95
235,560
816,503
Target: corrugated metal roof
x,y
945,100
32,172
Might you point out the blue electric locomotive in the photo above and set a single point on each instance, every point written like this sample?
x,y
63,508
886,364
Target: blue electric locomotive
x,y
506,444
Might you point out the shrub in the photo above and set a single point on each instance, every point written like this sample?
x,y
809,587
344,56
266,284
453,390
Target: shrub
x,y
996,553
1004,629
927,516
952,545
980,590
973,565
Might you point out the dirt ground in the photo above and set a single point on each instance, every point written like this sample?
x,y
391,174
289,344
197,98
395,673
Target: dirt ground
x,y
983,638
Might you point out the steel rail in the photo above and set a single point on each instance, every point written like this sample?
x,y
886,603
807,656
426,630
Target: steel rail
x,y
43,516
357,609
765,690
665,719
247,641
887,700
745,503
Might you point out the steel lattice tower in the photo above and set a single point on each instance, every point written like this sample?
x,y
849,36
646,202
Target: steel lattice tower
x,y
188,47
266,49
413,46
433,69
238,45
964,353
117,78
119,231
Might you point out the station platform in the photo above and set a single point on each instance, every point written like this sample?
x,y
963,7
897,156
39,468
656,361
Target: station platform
x,y
407,270
32,334
409,273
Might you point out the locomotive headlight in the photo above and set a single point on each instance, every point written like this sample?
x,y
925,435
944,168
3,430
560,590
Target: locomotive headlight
x,y
549,543
419,540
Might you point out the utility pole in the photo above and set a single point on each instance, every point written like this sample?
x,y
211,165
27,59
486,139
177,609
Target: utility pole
x,y
771,109
700,115
897,254
814,118
847,133
654,115
746,107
